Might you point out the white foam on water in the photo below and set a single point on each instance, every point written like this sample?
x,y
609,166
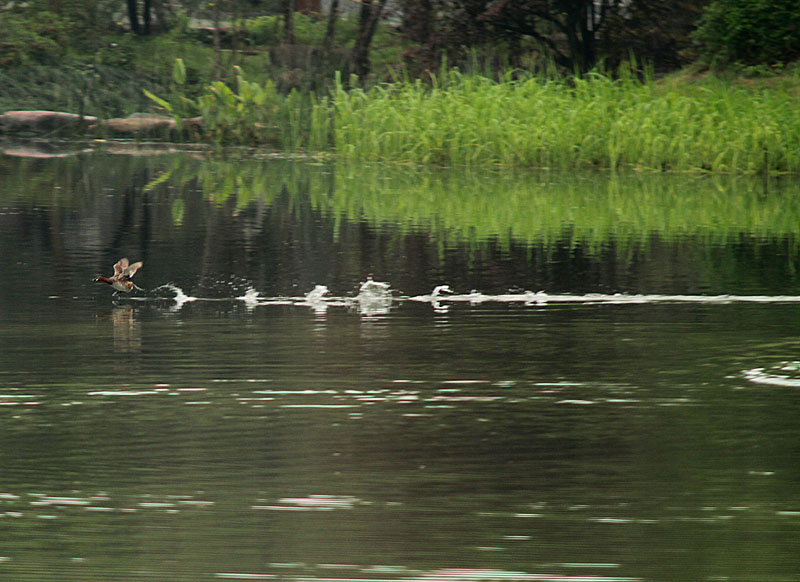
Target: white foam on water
x,y
785,374
61,501
377,297
443,294
382,573
374,298
250,298
243,576
180,297
126,392
317,294
312,503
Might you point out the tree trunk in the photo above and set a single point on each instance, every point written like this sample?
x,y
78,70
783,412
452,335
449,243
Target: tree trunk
x,y
146,17
418,20
368,18
163,15
133,16
288,18
217,43
330,31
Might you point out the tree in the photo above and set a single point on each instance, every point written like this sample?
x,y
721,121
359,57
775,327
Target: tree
x,y
750,31
141,21
575,34
289,7
654,31
368,16
330,29
133,16
569,29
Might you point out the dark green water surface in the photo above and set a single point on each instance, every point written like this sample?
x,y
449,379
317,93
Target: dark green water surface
x,y
608,390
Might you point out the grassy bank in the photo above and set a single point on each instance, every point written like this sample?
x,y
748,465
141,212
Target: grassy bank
x,y
682,124
709,125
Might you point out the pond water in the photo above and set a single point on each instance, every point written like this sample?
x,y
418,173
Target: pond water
x,y
390,374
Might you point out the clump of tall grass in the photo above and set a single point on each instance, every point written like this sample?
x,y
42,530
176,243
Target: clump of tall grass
x,y
537,121
595,121
251,113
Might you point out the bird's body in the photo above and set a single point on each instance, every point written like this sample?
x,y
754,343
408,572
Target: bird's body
x,y
120,281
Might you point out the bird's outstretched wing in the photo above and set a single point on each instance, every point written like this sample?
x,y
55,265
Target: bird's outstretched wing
x,y
120,266
130,271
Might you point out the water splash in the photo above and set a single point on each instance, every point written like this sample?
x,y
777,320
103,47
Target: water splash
x,y
785,374
250,298
180,298
317,299
370,288
374,298
317,294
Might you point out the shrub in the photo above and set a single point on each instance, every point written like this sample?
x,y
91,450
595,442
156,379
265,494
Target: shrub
x,y
750,32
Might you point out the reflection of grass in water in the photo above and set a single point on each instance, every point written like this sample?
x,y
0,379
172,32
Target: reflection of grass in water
x,y
542,207
592,208
460,205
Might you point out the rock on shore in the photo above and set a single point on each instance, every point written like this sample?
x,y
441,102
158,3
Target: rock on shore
x,y
137,125
53,122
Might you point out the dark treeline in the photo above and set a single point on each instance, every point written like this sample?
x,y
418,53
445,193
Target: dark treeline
x,y
575,34
579,35
96,56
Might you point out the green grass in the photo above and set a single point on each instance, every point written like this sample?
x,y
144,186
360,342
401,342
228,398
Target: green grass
x,y
711,126
682,124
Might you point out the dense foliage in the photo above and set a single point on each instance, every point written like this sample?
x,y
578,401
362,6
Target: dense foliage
x,y
545,82
577,35
82,56
750,31
601,121
596,121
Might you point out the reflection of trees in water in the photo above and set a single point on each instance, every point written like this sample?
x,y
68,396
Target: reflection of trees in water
x,y
287,225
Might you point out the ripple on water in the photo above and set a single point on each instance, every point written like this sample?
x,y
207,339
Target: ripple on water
x,y
381,573
313,503
18,505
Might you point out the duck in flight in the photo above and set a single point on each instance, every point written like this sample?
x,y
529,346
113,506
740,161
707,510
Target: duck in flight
x,y
121,279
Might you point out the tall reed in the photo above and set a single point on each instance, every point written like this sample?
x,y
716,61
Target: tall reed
x,y
594,121
536,121
250,113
